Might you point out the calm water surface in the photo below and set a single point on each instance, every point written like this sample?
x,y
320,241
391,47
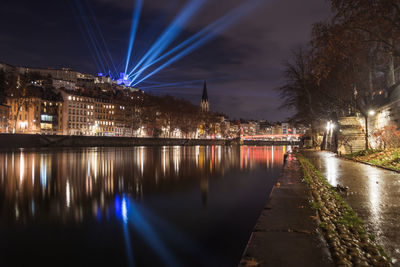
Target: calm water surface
x,y
141,206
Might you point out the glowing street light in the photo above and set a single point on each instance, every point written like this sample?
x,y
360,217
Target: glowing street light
x,y
330,126
371,112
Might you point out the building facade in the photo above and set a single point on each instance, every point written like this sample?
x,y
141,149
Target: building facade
x,y
4,114
104,117
39,111
79,114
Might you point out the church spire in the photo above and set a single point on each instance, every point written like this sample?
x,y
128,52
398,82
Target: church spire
x,y
205,96
204,99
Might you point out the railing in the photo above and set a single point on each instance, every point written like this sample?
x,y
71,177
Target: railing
x,y
272,137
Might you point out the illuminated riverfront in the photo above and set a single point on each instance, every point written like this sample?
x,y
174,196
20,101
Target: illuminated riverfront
x,y
200,133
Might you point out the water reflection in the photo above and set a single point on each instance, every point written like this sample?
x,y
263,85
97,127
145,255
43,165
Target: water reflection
x,y
332,167
78,183
375,193
132,206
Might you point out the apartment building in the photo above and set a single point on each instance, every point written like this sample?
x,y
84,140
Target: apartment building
x,y
38,111
104,117
79,113
4,114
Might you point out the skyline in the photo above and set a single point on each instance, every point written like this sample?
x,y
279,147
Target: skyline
x,y
242,66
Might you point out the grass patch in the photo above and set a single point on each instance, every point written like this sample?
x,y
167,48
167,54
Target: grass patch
x,y
362,153
389,158
315,205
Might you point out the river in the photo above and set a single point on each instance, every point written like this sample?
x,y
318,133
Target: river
x,y
136,206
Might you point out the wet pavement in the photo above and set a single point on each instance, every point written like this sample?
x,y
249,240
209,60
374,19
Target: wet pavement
x,y
373,193
286,233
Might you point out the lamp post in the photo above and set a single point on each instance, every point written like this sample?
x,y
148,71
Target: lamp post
x,y
329,132
370,113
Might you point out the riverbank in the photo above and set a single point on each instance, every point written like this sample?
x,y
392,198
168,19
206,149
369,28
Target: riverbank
x,y
302,212
287,232
35,141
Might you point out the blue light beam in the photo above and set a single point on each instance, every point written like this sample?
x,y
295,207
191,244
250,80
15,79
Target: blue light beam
x,y
100,33
135,22
228,20
93,41
176,84
184,43
76,17
169,35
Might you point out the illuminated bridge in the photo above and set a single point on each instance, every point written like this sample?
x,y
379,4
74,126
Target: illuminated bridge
x,y
273,137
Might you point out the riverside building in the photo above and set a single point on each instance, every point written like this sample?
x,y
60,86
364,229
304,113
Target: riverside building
x,y
4,114
39,111
104,117
79,114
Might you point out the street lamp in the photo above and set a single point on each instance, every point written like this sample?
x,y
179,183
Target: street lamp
x,y
329,133
330,126
371,112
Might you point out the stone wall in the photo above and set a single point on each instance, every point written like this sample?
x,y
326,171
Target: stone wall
x,y
31,141
351,135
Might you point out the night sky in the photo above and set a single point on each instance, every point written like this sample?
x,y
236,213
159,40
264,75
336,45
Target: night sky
x,y
243,65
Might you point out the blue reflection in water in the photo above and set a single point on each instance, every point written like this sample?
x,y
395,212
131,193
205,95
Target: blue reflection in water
x,y
122,214
173,234
98,214
117,207
127,211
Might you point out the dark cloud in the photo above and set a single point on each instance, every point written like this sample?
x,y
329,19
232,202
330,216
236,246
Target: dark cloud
x,y
243,65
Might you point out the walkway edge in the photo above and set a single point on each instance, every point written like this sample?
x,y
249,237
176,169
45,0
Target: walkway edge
x,y
287,232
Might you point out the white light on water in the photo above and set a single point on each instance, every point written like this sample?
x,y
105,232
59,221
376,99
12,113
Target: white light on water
x,y
68,195
21,167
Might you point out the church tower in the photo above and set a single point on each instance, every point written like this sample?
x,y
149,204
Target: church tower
x,y
205,106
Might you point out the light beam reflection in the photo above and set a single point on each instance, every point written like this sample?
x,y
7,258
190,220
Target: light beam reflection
x,y
121,212
147,232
